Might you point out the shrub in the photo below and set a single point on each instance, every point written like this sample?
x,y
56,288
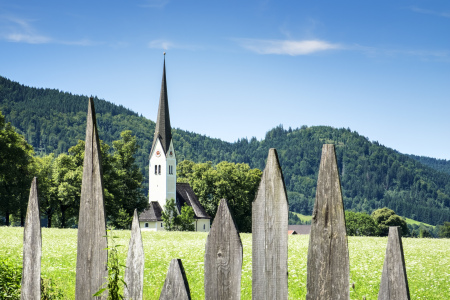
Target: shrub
x,y
10,279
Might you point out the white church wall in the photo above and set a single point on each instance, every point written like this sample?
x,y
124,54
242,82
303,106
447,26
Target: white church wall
x,y
202,225
157,182
171,175
151,226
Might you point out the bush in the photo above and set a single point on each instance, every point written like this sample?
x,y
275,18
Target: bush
x,y
360,224
10,279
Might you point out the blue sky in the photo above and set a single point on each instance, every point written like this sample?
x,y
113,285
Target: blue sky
x,y
239,68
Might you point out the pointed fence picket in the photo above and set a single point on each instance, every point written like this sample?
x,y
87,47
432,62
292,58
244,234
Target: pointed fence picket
x,y
223,257
328,263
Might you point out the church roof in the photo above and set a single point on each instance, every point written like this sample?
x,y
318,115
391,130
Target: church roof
x,y
152,213
163,131
185,194
300,229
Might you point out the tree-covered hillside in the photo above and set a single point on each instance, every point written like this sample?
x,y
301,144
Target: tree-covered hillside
x,y
372,176
442,165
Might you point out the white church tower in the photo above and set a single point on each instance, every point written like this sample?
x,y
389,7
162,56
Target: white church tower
x,y
163,162
163,175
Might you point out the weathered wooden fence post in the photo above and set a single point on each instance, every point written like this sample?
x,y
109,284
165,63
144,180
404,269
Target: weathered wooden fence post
x,y
134,272
32,248
92,257
394,283
328,261
270,234
223,257
176,286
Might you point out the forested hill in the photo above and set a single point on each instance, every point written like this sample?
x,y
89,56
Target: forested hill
x,y
442,165
372,175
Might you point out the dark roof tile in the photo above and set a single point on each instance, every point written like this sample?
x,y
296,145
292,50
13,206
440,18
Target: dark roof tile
x,y
152,213
300,229
185,194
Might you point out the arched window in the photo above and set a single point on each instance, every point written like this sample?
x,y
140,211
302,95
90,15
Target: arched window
x,y
156,169
159,170
146,225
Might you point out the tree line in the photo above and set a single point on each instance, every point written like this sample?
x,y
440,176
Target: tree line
x,y
372,175
59,180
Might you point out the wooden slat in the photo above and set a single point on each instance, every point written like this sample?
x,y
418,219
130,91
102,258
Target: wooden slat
x,y
134,271
32,248
394,283
91,254
270,234
223,257
328,261
176,286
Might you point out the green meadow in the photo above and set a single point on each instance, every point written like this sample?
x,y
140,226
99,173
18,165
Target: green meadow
x,y
427,261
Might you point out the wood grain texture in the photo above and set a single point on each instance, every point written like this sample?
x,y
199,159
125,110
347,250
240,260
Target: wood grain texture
x,y
92,257
134,271
394,283
328,260
32,248
176,286
270,234
223,257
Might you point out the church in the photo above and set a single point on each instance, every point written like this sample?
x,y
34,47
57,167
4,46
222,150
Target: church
x,y
163,174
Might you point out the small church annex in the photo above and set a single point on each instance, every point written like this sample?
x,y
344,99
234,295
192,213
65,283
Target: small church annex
x,y
163,175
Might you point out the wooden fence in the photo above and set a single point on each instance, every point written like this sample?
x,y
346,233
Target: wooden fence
x,y
327,265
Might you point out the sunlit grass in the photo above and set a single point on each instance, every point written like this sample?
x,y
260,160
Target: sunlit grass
x,y
304,218
427,261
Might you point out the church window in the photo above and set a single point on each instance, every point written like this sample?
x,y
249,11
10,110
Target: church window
x,y
161,224
204,226
170,169
156,169
146,225
159,170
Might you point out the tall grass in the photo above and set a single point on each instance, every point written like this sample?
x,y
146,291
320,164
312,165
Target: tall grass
x,y
427,261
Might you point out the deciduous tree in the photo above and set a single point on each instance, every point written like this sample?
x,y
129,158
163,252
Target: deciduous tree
x,y
16,157
360,224
237,183
386,217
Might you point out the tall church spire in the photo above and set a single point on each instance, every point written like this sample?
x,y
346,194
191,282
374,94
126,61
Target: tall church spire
x,y
163,130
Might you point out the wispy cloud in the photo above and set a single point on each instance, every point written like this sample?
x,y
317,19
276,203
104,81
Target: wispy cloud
x,y
287,47
27,38
155,3
20,30
445,14
160,44
166,45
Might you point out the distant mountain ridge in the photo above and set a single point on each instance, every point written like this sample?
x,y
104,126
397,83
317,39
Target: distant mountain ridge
x,y
372,175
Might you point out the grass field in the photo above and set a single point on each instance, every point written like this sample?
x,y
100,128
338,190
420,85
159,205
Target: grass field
x,y
414,222
427,261
304,218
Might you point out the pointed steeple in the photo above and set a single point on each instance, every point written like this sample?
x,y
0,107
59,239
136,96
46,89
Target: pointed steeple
x,y
163,130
